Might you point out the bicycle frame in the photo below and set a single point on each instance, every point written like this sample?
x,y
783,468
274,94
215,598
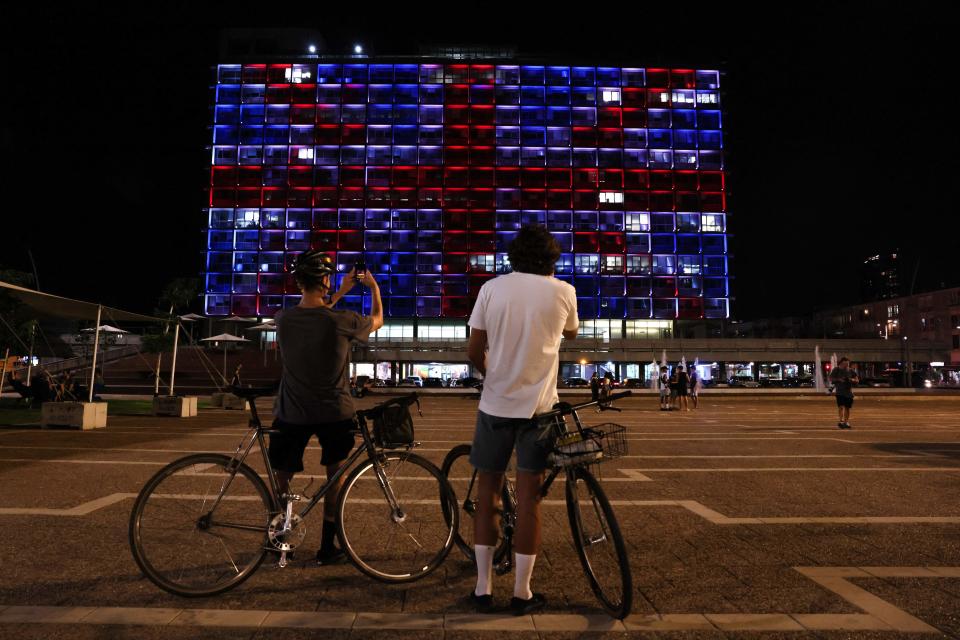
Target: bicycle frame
x,y
368,448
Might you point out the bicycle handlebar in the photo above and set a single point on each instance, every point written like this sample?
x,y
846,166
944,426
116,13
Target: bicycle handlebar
x,y
565,408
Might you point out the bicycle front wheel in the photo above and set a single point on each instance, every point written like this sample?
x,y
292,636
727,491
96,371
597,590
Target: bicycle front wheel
x,y
198,527
596,535
403,544
463,480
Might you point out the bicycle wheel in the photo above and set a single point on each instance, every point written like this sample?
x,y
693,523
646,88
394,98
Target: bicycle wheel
x,y
189,543
397,547
463,480
596,535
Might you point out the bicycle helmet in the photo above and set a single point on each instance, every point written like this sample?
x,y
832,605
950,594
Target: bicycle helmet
x,y
310,267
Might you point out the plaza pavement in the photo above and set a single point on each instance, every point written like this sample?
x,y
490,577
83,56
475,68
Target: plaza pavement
x,y
750,516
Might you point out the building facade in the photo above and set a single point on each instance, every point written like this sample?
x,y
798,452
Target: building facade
x,y
426,170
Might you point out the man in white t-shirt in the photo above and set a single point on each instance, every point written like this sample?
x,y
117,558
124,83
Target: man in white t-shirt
x,y
515,332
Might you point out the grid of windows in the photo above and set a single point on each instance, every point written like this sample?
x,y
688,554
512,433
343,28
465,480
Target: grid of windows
x,y
427,171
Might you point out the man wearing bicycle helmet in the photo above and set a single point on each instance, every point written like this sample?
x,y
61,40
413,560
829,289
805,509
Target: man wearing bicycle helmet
x,y
314,397
515,331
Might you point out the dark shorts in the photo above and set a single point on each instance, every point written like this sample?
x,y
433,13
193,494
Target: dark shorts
x,y
845,401
287,447
682,392
495,439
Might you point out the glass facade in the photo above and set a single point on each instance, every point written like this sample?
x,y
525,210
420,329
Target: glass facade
x,y
427,171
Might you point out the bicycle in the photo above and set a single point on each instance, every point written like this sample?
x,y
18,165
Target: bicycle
x,y
203,524
596,532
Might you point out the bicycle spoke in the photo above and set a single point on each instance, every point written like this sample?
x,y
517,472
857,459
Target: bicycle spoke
x,y
381,546
184,547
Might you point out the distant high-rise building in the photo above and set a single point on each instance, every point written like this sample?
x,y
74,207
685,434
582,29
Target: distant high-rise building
x,y
880,277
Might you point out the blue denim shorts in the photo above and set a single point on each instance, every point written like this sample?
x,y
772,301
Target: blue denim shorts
x,y
495,439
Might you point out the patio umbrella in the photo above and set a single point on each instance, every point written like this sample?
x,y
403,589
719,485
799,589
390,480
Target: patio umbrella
x,y
104,328
225,338
191,317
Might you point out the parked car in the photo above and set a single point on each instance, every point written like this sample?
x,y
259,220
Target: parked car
x,y
434,382
875,382
576,382
770,383
743,381
467,382
634,383
411,381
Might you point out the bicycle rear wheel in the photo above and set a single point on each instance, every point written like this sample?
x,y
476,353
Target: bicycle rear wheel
x,y
596,535
463,480
199,528
397,547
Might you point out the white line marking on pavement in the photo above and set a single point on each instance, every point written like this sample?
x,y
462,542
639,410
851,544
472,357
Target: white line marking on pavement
x,y
695,507
879,614
836,579
634,474
788,469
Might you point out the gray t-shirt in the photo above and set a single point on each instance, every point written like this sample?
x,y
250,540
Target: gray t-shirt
x,y
315,346
842,379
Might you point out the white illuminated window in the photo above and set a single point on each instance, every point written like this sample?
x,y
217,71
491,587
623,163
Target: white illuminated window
x,y
296,75
707,98
637,222
305,153
683,97
712,222
612,197
664,97
611,95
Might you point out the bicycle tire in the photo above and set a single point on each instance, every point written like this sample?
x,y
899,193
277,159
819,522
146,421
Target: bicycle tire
x,y
355,509
603,586
148,554
466,512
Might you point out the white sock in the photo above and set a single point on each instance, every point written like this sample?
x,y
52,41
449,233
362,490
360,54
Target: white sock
x,y
524,570
484,553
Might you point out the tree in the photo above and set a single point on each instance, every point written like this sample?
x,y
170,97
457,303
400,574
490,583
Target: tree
x,y
179,293
15,314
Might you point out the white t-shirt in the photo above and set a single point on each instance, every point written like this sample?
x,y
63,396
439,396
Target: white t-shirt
x,y
524,316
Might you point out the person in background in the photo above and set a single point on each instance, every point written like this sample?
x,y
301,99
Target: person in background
x,y
594,386
695,387
682,389
664,383
843,378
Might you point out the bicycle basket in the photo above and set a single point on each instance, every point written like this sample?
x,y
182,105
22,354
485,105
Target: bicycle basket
x,y
591,446
393,424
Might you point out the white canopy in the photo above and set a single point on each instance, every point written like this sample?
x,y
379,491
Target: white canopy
x,y
225,337
237,319
191,317
104,328
262,327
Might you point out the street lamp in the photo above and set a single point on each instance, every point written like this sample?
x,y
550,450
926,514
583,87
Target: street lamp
x,y
357,49
312,48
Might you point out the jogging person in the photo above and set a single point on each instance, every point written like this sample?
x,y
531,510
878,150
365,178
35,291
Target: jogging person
x,y
515,331
314,396
843,378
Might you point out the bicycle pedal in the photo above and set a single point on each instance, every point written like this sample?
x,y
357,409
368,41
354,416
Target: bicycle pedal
x,y
503,569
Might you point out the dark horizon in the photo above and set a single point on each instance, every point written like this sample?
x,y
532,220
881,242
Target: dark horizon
x,y
834,126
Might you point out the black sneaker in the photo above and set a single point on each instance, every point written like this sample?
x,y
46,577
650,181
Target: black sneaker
x,y
519,607
840,425
483,604
333,556
845,425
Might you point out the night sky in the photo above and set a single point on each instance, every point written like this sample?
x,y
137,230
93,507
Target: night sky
x,y
838,126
